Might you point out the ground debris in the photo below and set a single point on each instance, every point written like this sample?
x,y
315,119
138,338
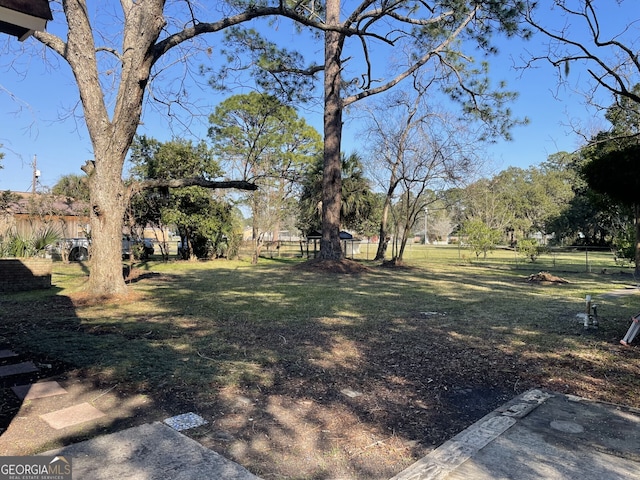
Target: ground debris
x,y
545,277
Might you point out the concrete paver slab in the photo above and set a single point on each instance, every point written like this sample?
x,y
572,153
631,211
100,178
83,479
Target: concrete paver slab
x,y
17,369
70,416
562,437
38,390
7,354
185,421
147,452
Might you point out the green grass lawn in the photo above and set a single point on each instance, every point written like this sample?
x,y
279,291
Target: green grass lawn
x,y
431,346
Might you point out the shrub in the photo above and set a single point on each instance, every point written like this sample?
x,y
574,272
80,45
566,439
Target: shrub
x,y
529,248
624,245
22,246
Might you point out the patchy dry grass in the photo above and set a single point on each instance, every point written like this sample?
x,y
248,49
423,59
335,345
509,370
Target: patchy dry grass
x,y
303,373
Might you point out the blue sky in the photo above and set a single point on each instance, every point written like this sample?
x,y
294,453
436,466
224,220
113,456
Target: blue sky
x,y
35,101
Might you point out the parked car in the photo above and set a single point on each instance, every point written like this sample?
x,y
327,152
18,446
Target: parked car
x,y
78,249
142,248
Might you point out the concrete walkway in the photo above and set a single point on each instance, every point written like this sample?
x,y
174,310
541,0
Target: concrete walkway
x,y
539,435
148,452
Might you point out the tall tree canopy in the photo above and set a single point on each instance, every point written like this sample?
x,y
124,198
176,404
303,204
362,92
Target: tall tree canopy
x,y
370,48
141,40
258,138
418,149
112,63
202,220
616,173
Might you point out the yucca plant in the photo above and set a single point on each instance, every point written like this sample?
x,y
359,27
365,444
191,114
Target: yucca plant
x,y
21,246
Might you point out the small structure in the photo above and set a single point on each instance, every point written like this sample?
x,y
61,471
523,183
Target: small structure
x,y
21,18
349,247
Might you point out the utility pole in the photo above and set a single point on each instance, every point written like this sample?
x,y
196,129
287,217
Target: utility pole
x,y
36,174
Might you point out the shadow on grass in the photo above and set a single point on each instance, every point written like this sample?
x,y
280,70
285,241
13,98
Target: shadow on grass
x,y
119,369
322,376
14,359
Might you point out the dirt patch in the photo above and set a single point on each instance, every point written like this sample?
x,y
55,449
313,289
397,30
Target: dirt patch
x,y
368,418
365,409
87,299
133,275
396,264
344,265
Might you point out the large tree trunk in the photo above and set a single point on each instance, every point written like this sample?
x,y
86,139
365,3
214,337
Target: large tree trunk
x,y
106,215
382,242
330,248
636,210
110,137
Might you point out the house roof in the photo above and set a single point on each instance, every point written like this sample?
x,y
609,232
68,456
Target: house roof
x,y
27,203
21,18
315,234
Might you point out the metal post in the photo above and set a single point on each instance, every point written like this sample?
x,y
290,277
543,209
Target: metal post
x,y
586,258
426,212
586,317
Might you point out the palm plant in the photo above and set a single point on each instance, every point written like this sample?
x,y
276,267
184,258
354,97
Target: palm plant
x,y
21,246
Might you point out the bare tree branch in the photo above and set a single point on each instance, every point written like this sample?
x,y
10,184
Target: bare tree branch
x,y
616,59
416,65
53,42
197,182
250,14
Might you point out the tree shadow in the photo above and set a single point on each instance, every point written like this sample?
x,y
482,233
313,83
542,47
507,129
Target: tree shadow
x,y
115,368
358,380
17,366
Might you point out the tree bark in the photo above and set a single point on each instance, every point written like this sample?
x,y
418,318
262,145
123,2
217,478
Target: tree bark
x,y
636,210
382,242
330,248
110,137
106,218
196,181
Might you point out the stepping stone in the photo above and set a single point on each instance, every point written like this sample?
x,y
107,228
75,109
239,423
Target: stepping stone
x,y
185,421
67,417
17,369
7,354
38,390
